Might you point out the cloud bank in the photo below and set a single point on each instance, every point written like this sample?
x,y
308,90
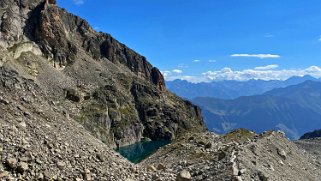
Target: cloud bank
x,y
268,72
260,56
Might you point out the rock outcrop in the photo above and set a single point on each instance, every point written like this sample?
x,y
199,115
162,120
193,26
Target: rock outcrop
x,y
110,89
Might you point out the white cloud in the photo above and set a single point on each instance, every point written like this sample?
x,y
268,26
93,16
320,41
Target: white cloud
x,y
196,61
212,61
189,78
78,2
178,71
268,72
261,56
166,73
171,73
182,66
268,67
177,74
269,35
263,74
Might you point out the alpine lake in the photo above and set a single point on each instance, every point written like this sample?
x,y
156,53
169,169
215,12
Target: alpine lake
x,y
141,150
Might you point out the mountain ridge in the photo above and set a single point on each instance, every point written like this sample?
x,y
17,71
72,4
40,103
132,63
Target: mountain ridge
x,y
230,89
294,109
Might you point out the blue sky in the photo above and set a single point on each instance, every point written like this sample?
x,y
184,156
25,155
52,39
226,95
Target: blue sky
x,y
214,39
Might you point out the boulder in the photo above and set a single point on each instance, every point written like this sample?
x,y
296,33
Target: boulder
x,y
161,167
184,175
151,168
22,167
11,163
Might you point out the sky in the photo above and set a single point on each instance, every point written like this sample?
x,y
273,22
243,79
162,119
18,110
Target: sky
x,y
209,40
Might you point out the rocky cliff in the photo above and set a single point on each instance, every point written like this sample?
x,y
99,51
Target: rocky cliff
x,y
90,77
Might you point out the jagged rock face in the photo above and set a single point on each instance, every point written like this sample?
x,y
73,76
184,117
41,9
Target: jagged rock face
x,y
111,90
52,37
59,33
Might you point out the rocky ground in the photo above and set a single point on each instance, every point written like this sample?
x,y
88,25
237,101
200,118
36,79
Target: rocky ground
x,y
312,147
239,155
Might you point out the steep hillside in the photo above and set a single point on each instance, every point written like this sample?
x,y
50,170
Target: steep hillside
x,y
229,89
294,109
111,90
307,94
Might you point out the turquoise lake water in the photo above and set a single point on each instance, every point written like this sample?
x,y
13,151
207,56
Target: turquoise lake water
x,y
141,150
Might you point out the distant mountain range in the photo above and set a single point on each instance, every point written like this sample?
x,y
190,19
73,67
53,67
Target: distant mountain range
x,y
295,110
229,89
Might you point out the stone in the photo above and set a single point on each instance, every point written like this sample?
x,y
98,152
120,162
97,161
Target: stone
x,y
221,155
208,145
238,178
242,171
151,168
235,170
41,176
262,177
87,176
4,101
282,153
72,95
22,167
61,164
161,166
38,161
4,174
22,125
11,162
47,175
184,175
100,157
